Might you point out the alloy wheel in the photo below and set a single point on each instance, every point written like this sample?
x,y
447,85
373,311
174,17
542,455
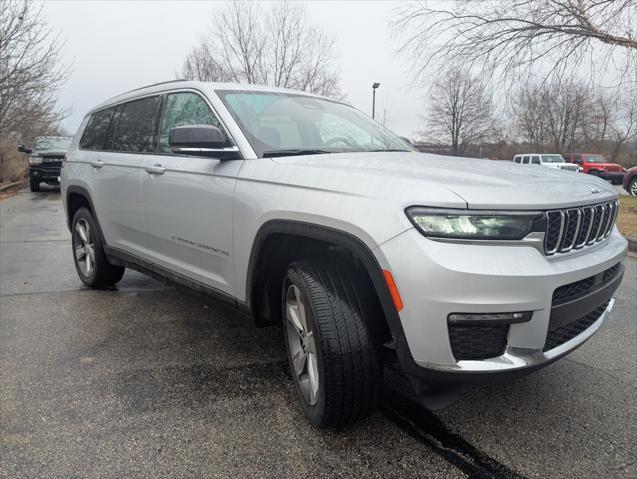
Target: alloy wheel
x,y
633,188
302,345
84,247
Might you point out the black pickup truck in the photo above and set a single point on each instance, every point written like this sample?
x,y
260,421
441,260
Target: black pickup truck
x,y
45,159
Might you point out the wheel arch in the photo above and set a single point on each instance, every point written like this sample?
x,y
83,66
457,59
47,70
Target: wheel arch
x,y
76,198
318,235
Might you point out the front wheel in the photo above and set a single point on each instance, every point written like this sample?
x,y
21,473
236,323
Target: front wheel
x,y
91,263
334,364
632,187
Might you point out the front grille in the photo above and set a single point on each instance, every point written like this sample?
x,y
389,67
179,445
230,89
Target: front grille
x,y
478,342
577,289
560,335
52,168
575,228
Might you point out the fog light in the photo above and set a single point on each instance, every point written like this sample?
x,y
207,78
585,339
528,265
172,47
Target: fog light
x,y
489,318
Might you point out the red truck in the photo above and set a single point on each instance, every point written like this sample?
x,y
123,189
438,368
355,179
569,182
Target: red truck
x,y
596,164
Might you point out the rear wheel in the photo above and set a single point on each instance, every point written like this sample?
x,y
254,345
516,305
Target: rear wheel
x,y
34,184
632,186
88,253
334,364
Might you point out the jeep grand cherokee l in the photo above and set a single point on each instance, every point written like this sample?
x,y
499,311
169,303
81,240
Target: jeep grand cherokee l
x,y
45,159
301,211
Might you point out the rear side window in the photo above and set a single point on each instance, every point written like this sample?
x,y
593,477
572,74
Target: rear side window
x,y
525,160
535,160
96,130
136,126
184,109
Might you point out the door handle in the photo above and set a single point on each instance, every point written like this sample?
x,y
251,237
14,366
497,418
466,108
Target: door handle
x,y
97,164
156,169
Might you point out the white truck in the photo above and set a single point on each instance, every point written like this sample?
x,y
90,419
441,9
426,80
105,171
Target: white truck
x,y
552,160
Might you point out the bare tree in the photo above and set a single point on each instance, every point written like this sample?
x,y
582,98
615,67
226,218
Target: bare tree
x,y
30,76
505,37
276,46
552,116
460,113
30,67
566,116
201,65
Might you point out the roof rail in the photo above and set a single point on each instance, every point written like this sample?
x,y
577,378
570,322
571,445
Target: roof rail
x,y
148,86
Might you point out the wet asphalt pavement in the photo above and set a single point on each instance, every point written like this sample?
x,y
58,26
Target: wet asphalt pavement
x,y
146,381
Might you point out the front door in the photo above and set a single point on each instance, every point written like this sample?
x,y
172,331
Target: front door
x,y
187,201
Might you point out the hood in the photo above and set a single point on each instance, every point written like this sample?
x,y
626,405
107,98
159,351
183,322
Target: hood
x,y
482,184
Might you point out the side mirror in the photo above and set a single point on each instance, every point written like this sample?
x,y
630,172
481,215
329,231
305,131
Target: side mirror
x,y
24,149
201,140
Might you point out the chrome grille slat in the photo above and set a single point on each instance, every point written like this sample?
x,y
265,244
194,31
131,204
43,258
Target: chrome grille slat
x,y
597,216
574,216
585,227
601,223
575,228
611,219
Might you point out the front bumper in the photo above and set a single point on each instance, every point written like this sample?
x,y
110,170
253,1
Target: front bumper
x,y
45,174
617,178
437,279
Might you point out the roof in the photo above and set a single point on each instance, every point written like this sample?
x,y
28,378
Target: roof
x,y
528,154
196,85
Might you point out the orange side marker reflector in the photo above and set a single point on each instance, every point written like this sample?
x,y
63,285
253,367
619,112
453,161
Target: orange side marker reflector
x,y
393,290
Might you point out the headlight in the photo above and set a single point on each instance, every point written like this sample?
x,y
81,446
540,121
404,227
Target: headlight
x,y
474,225
35,160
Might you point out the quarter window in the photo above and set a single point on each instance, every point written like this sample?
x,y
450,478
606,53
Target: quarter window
x,y
136,125
95,132
184,109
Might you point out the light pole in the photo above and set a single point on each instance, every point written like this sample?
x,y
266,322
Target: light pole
x,y
374,86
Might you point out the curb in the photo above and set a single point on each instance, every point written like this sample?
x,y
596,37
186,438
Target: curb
x,y
8,186
632,243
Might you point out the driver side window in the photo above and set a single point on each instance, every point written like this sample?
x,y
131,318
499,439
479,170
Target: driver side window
x,y
184,109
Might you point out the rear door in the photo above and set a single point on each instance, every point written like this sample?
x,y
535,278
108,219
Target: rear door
x,y
111,144
187,200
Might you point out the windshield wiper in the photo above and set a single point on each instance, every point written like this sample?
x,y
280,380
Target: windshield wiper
x,y
273,153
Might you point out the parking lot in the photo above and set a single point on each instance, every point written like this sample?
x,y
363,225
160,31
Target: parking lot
x,y
148,381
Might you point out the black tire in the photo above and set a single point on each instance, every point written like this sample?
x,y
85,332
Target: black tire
x,y
632,187
34,184
349,370
101,273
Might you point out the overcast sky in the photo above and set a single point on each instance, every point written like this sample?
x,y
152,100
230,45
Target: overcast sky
x,y
118,46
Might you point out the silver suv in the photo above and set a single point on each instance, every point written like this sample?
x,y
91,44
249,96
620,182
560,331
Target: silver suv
x,y
301,211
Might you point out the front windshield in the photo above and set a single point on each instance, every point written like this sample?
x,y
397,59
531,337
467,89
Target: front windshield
x,y
60,144
279,124
594,159
552,159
